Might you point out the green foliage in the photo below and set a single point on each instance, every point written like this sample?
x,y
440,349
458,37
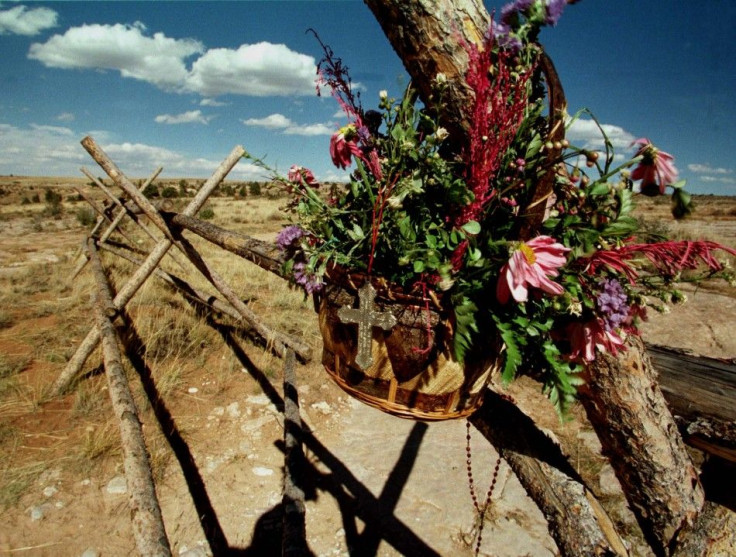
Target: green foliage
x,y
429,219
151,191
53,207
85,216
169,192
254,189
207,213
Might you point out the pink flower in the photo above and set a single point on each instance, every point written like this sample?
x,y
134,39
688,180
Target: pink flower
x,y
531,264
302,176
343,146
586,338
656,169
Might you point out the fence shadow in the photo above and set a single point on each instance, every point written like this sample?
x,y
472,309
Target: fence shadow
x,y
354,499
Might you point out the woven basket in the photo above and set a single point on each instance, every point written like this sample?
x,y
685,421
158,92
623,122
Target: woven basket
x,y
413,374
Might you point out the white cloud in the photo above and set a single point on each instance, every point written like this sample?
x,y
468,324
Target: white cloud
x,y
40,150
288,127
585,134
189,117
707,169
310,129
22,21
65,117
335,176
271,122
211,102
260,70
44,150
140,159
717,179
158,60
53,130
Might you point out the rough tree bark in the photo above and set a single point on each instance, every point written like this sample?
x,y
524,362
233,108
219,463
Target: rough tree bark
x,y
639,436
145,511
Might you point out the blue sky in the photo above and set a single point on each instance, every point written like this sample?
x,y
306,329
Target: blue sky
x,y
178,84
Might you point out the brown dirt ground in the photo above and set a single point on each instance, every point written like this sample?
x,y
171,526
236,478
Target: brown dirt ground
x,y
220,420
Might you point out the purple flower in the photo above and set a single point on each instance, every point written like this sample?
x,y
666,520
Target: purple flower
x,y
364,135
513,8
288,236
504,38
309,281
612,304
554,11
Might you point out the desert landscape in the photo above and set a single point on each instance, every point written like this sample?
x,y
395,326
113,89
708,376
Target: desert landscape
x,y
215,431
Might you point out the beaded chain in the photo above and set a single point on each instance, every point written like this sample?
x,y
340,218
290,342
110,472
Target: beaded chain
x,y
481,509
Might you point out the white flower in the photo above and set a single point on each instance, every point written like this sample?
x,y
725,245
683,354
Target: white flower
x,y
383,94
440,78
441,134
575,308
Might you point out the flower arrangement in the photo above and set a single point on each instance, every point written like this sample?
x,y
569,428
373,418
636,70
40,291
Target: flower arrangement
x,y
451,224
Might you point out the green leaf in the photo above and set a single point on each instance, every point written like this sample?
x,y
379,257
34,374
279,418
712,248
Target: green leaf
x,y
471,227
418,266
679,184
623,226
513,355
599,188
356,233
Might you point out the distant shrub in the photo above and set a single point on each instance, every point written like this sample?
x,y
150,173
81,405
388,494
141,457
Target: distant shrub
x,y
85,216
36,198
25,201
52,197
151,191
183,188
170,192
254,188
54,207
207,213
242,192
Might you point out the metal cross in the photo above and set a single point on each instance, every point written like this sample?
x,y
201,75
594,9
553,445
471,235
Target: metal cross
x,y
366,317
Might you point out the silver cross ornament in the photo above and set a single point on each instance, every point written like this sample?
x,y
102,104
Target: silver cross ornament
x,y
367,317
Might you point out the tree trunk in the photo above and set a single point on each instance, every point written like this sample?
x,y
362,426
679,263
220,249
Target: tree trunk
x,y
639,436
428,36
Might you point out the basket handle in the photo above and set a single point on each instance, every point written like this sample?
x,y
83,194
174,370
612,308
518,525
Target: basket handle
x,y
533,215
